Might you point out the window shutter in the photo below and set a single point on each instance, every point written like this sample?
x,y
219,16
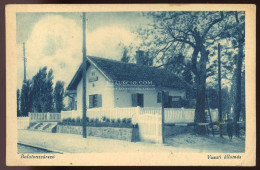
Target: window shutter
x,y
166,97
140,100
91,97
99,100
159,97
134,100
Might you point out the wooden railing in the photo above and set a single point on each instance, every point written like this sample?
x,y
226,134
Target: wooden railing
x,y
214,114
172,115
45,117
99,113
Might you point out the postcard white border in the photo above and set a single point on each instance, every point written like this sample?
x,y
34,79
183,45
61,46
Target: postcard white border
x,y
163,159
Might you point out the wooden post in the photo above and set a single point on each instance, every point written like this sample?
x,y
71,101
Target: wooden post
x,y
210,118
84,109
100,117
24,62
219,92
116,114
163,117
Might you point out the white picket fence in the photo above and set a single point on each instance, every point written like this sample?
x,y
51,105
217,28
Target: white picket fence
x,y
22,122
99,113
150,127
172,115
45,117
148,118
214,114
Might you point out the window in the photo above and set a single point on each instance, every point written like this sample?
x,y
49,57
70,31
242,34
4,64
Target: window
x,y
159,97
176,98
93,76
138,100
95,101
93,73
175,101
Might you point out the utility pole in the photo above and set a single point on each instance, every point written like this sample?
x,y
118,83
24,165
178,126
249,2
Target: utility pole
x,y
219,92
24,63
84,59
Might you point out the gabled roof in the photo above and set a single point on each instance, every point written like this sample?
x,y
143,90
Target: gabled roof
x,y
119,71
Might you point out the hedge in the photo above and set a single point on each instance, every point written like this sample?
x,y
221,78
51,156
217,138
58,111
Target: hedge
x,y
106,122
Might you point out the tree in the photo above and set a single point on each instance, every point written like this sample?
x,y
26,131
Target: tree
x,y
234,32
48,93
212,95
43,90
18,97
59,95
182,32
226,101
243,93
238,33
187,74
26,98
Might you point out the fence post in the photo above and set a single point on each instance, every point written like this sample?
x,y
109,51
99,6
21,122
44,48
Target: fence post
x,y
48,116
182,114
116,113
61,116
163,99
138,110
99,114
137,114
157,127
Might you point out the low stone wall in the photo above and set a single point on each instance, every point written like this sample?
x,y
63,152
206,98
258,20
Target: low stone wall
x,y
104,132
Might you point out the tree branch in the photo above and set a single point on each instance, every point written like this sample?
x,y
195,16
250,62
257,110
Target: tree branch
x,y
213,23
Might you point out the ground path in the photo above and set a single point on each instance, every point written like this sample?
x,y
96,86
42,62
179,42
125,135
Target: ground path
x,y
70,143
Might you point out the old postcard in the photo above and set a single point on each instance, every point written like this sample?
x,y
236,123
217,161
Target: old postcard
x,y
169,85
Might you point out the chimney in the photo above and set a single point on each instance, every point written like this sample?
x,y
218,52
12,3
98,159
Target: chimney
x,y
139,57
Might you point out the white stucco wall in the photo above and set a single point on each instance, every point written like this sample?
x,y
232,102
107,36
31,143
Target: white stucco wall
x,y
119,97
100,87
123,96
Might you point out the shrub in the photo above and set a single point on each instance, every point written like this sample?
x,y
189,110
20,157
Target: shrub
x,y
129,120
94,122
78,120
67,121
124,120
107,120
64,121
104,119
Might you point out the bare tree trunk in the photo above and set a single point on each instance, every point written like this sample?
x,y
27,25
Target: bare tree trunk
x,y
219,93
201,93
237,104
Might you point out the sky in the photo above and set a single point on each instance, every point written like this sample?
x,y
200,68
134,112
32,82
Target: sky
x,y
55,40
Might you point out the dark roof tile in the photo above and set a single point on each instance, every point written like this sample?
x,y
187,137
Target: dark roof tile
x,y
119,71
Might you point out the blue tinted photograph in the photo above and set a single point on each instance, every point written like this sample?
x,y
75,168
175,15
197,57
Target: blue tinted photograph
x,y
147,81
